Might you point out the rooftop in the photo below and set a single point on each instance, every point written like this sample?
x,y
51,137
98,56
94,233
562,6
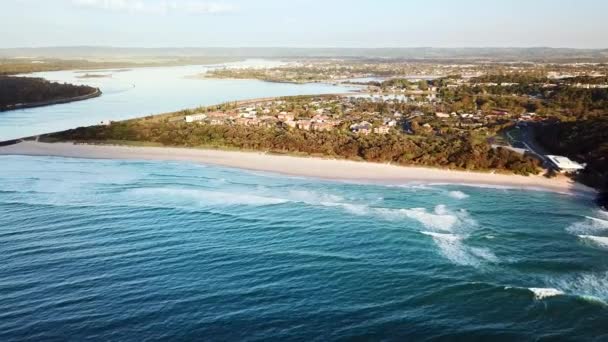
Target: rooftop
x,y
565,163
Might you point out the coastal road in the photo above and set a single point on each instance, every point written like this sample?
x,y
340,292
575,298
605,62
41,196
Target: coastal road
x,y
528,141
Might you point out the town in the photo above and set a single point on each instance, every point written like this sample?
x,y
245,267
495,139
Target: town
x,y
510,117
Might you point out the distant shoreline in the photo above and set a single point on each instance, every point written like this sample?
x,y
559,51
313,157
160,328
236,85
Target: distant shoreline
x,y
328,169
95,94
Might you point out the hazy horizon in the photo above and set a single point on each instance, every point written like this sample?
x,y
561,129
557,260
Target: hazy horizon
x,y
301,47
303,24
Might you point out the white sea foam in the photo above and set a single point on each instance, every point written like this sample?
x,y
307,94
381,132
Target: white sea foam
x,y
458,195
452,247
327,200
599,241
484,253
203,197
313,197
440,219
415,186
447,237
588,226
542,293
591,286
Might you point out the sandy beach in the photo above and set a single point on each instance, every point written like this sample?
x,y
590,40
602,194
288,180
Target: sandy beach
x,y
300,166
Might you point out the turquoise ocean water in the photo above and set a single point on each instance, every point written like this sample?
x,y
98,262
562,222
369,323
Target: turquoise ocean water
x,y
132,250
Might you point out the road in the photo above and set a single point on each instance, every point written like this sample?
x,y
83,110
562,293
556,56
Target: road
x,y
527,139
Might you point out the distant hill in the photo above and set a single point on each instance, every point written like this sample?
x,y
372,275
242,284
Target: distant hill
x,y
495,54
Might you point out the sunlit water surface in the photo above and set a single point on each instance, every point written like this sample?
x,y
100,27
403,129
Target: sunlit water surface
x,y
128,250
131,93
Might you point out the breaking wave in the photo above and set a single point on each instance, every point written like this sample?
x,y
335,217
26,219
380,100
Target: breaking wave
x,y
589,230
452,248
599,241
588,226
458,195
542,293
440,219
202,197
589,286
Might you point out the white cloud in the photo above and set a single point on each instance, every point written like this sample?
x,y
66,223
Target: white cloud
x,y
157,6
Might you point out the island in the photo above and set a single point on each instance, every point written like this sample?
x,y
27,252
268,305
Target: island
x,y
27,92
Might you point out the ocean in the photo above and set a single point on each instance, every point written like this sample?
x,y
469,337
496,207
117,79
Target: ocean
x,y
137,250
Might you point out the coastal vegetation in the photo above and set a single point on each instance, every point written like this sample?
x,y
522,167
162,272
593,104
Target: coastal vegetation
x,y
23,92
572,114
585,140
357,129
453,152
455,121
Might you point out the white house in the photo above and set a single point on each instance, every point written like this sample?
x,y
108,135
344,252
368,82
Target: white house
x,y
195,117
564,164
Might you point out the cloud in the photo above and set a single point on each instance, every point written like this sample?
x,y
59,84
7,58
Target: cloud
x,y
157,6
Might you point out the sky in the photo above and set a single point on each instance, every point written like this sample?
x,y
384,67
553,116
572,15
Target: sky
x,y
304,23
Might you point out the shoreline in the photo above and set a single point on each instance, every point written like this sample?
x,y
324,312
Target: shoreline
x,y
313,167
96,93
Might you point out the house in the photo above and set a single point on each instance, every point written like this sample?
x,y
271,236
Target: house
x,y
528,117
105,123
268,120
390,122
291,123
323,126
304,124
195,118
442,115
382,129
217,121
500,112
416,113
248,121
363,127
320,118
249,114
564,164
284,116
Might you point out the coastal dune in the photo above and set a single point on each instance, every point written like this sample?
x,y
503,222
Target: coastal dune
x,y
332,169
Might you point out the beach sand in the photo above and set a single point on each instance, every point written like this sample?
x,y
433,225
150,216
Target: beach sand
x,y
331,169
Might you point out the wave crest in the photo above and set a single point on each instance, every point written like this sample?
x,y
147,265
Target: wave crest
x,y
547,292
588,226
452,248
202,197
458,195
599,241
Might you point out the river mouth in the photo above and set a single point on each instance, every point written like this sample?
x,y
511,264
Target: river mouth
x,y
139,92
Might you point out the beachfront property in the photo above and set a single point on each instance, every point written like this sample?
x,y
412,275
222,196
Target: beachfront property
x,y
564,164
363,128
195,118
382,129
360,115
